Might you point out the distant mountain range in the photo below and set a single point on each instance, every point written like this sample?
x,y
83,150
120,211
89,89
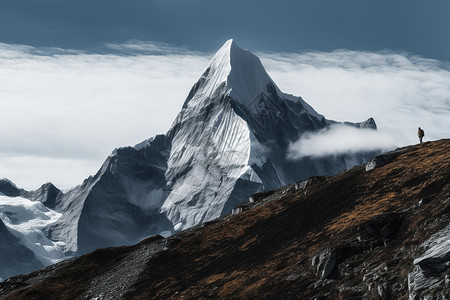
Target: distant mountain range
x,y
229,141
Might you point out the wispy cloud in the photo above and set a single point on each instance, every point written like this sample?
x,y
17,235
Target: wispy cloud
x,y
68,109
151,48
339,139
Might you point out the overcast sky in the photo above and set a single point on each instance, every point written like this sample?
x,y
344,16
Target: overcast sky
x,y
415,26
80,78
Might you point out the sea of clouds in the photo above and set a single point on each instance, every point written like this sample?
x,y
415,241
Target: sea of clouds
x,y
63,111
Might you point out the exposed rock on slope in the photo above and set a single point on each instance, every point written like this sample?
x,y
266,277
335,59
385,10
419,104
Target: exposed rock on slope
x,y
378,234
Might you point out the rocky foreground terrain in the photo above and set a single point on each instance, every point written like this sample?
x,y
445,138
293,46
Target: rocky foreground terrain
x,y
378,231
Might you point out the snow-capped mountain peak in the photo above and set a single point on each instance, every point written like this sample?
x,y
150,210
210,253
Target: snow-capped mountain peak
x,y
237,70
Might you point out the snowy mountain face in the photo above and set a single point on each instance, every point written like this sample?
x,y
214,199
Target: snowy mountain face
x,y
229,141
231,137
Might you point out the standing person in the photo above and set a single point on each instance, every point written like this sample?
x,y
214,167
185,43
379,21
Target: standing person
x,y
420,134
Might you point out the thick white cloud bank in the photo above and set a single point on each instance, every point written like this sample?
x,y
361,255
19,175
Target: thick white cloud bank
x,y
339,139
62,112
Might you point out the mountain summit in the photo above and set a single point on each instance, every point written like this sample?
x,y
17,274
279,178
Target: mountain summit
x,y
231,138
240,70
229,141
243,74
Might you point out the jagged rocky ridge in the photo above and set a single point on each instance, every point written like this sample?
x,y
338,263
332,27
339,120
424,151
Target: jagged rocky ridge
x,y
376,234
229,141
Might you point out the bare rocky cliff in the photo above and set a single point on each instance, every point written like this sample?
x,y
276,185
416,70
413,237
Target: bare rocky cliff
x,y
377,231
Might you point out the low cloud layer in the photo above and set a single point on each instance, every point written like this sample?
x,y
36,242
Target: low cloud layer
x,y
71,104
63,111
68,110
400,91
339,139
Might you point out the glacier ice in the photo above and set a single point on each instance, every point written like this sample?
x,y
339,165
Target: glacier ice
x,y
26,220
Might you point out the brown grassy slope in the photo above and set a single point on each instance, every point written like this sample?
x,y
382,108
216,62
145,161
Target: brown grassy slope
x,y
369,220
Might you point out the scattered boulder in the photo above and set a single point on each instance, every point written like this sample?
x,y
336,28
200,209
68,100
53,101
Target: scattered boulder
x,y
236,210
437,257
384,159
431,270
327,261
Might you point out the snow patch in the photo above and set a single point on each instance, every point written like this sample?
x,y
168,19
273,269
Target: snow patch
x,y
165,234
178,226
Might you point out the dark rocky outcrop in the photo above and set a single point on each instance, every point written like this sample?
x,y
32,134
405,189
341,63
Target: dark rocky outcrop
x,y
384,159
47,194
8,188
15,258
